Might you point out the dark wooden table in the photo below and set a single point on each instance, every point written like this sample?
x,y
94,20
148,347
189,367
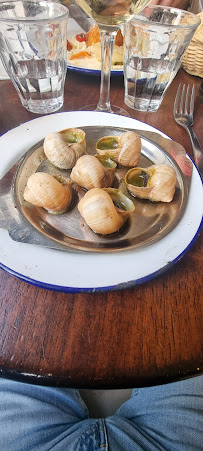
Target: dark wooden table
x,y
147,335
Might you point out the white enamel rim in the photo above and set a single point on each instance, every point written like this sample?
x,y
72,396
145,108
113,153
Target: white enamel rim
x,y
90,272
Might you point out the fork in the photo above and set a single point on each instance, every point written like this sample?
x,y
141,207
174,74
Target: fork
x,y
183,115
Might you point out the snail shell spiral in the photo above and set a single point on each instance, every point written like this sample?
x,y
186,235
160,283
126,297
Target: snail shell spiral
x,y
124,149
54,193
157,182
101,214
63,149
89,172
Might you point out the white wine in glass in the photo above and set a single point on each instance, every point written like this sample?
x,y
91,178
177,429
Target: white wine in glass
x,y
109,16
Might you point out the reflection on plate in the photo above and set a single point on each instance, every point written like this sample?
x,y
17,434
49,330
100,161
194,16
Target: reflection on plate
x,y
87,271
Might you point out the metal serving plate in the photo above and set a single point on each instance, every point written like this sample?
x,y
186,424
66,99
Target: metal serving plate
x,y
149,222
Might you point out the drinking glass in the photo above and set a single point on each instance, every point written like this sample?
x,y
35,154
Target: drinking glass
x,y
109,16
155,41
33,48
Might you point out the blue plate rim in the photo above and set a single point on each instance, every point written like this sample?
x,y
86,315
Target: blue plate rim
x,y
87,71
122,286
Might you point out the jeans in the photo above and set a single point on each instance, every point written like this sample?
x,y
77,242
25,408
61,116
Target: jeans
x,y
166,417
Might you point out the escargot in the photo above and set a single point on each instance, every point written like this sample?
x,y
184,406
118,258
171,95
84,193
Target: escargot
x,y
124,149
64,148
157,182
54,193
93,171
105,209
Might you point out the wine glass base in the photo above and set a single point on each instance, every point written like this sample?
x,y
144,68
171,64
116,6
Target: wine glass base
x,y
114,109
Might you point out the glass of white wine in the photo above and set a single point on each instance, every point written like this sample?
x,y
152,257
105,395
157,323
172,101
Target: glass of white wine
x,y
109,16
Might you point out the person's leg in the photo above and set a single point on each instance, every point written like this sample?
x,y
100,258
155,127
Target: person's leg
x,y
166,417
41,418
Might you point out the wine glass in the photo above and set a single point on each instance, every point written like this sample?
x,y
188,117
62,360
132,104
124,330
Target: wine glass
x,y
109,16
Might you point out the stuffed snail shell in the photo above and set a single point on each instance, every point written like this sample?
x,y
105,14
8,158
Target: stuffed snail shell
x,y
157,182
54,193
105,210
124,149
63,149
93,171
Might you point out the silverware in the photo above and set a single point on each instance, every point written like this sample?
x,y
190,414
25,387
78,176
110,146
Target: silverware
x,y
80,16
183,115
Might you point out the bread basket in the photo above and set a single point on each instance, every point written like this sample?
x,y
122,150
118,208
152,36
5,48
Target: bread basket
x,y
192,61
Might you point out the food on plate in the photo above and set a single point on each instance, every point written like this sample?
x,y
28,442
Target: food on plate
x,y
81,54
93,36
64,148
103,207
105,210
93,172
52,192
124,149
157,182
81,37
84,50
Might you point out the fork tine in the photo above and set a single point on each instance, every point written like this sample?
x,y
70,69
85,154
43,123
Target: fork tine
x,y
182,99
192,100
186,99
175,107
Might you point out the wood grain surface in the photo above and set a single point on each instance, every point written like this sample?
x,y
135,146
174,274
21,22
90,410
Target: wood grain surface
x,y
146,335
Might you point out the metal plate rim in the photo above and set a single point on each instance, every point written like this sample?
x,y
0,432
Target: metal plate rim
x,y
69,243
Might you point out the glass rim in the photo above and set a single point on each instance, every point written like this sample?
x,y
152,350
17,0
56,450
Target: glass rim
x,y
63,8
143,20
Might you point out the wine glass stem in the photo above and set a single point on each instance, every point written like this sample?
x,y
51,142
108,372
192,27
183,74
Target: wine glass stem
x,y
107,46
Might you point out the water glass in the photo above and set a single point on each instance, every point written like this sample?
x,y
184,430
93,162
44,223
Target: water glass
x,y
154,43
33,48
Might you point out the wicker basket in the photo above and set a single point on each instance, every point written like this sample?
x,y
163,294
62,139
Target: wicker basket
x,y
192,60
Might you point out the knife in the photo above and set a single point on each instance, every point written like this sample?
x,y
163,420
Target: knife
x,y
80,16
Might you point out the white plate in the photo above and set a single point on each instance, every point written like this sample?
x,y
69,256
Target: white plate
x,y
73,29
75,272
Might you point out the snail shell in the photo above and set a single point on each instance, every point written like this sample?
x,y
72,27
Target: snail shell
x,y
93,171
63,149
101,214
54,193
124,149
157,182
